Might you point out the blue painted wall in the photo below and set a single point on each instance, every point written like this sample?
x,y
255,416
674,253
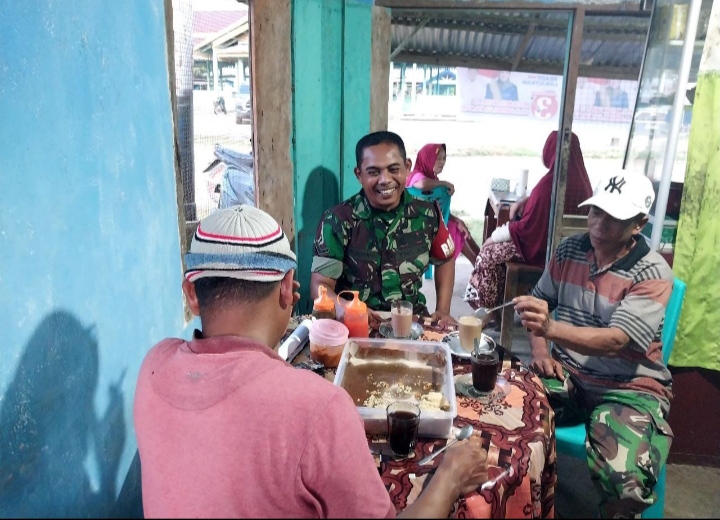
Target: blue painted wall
x,y
90,264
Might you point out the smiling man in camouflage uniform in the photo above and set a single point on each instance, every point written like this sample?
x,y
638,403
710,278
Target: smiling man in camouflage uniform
x,y
380,241
609,291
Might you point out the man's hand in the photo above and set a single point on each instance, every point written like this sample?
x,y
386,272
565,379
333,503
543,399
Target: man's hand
x,y
545,366
466,464
517,208
296,291
462,227
374,319
462,471
534,314
443,318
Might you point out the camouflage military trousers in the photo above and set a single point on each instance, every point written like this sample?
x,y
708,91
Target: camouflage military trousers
x,y
627,444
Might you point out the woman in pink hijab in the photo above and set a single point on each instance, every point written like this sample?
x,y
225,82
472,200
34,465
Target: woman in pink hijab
x,y
424,183
524,238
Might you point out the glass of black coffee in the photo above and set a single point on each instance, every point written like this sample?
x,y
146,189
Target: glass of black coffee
x,y
485,365
403,422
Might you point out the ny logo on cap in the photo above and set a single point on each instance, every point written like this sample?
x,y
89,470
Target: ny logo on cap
x,y
615,185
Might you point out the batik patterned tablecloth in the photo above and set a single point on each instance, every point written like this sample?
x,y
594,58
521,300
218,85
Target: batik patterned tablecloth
x,y
518,432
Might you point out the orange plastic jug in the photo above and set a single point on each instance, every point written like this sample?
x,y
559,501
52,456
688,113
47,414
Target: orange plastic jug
x,y
355,316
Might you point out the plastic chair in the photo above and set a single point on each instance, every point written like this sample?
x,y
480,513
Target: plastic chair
x,y
570,440
441,195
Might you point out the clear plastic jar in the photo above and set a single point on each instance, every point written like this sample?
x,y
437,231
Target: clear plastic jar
x,y
327,341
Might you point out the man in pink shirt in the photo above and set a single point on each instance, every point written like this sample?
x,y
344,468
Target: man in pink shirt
x,y
226,428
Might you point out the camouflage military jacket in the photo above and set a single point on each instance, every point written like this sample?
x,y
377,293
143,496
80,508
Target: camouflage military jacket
x,y
382,254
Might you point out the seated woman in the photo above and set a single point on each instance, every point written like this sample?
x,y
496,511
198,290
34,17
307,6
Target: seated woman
x,y
423,183
524,238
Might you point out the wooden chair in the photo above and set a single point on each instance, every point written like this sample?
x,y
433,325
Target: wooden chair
x,y
519,279
573,225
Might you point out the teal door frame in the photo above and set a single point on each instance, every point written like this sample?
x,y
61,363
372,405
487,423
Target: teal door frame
x,y
331,68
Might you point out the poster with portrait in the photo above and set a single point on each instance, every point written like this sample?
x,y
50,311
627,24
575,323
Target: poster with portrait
x,y
609,100
539,96
512,93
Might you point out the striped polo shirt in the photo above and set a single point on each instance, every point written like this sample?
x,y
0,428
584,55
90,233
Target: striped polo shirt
x,y
630,294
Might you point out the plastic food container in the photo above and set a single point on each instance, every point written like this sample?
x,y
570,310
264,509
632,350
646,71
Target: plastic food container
x,y
327,340
430,358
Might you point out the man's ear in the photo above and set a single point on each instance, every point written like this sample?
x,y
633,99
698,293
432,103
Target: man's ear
x,y
191,296
287,289
640,225
408,164
357,172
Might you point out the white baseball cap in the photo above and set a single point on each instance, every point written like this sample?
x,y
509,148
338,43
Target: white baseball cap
x,y
623,194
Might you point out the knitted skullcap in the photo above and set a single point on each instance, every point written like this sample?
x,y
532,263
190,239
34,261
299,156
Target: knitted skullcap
x,y
239,242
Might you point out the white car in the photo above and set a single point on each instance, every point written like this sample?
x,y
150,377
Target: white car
x,y
243,111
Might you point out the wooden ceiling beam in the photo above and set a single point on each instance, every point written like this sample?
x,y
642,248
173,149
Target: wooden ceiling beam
x,y
523,47
541,29
593,5
556,68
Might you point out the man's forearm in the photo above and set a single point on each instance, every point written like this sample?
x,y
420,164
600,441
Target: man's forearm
x,y
428,184
538,346
444,281
590,341
436,500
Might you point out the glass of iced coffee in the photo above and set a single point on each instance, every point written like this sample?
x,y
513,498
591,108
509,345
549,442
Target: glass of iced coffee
x,y
470,328
401,316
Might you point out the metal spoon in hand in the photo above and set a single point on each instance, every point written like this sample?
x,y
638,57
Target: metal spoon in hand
x,y
485,315
463,434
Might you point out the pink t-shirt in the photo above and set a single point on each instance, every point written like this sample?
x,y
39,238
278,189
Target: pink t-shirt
x,y
226,428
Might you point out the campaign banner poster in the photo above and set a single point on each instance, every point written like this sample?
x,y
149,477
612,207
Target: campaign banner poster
x,y
609,100
538,96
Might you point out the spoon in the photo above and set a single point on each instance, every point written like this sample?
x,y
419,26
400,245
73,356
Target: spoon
x,y
491,483
463,434
485,315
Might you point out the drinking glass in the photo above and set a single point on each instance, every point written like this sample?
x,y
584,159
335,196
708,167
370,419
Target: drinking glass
x,y
403,422
485,364
470,328
401,315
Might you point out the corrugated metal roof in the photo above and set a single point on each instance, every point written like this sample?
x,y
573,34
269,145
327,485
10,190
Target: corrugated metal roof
x,y
612,45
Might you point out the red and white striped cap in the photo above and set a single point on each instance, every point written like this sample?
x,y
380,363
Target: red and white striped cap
x,y
239,242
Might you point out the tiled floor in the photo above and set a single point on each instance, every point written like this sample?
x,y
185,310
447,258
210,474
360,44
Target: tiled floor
x,y
691,492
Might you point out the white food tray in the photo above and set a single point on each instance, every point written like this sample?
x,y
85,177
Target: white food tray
x,y
433,423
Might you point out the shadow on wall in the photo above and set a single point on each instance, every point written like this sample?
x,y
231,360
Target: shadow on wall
x,y
48,427
322,191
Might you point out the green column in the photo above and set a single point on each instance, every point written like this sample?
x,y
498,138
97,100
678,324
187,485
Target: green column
x,y
697,250
331,111
357,52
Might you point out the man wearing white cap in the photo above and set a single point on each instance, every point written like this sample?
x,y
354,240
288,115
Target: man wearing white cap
x,y
226,428
609,292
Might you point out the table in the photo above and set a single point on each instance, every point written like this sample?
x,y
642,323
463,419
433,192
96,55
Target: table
x,y
497,210
518,432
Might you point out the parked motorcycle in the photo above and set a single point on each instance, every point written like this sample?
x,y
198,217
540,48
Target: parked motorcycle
x,y
231,178
219,105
